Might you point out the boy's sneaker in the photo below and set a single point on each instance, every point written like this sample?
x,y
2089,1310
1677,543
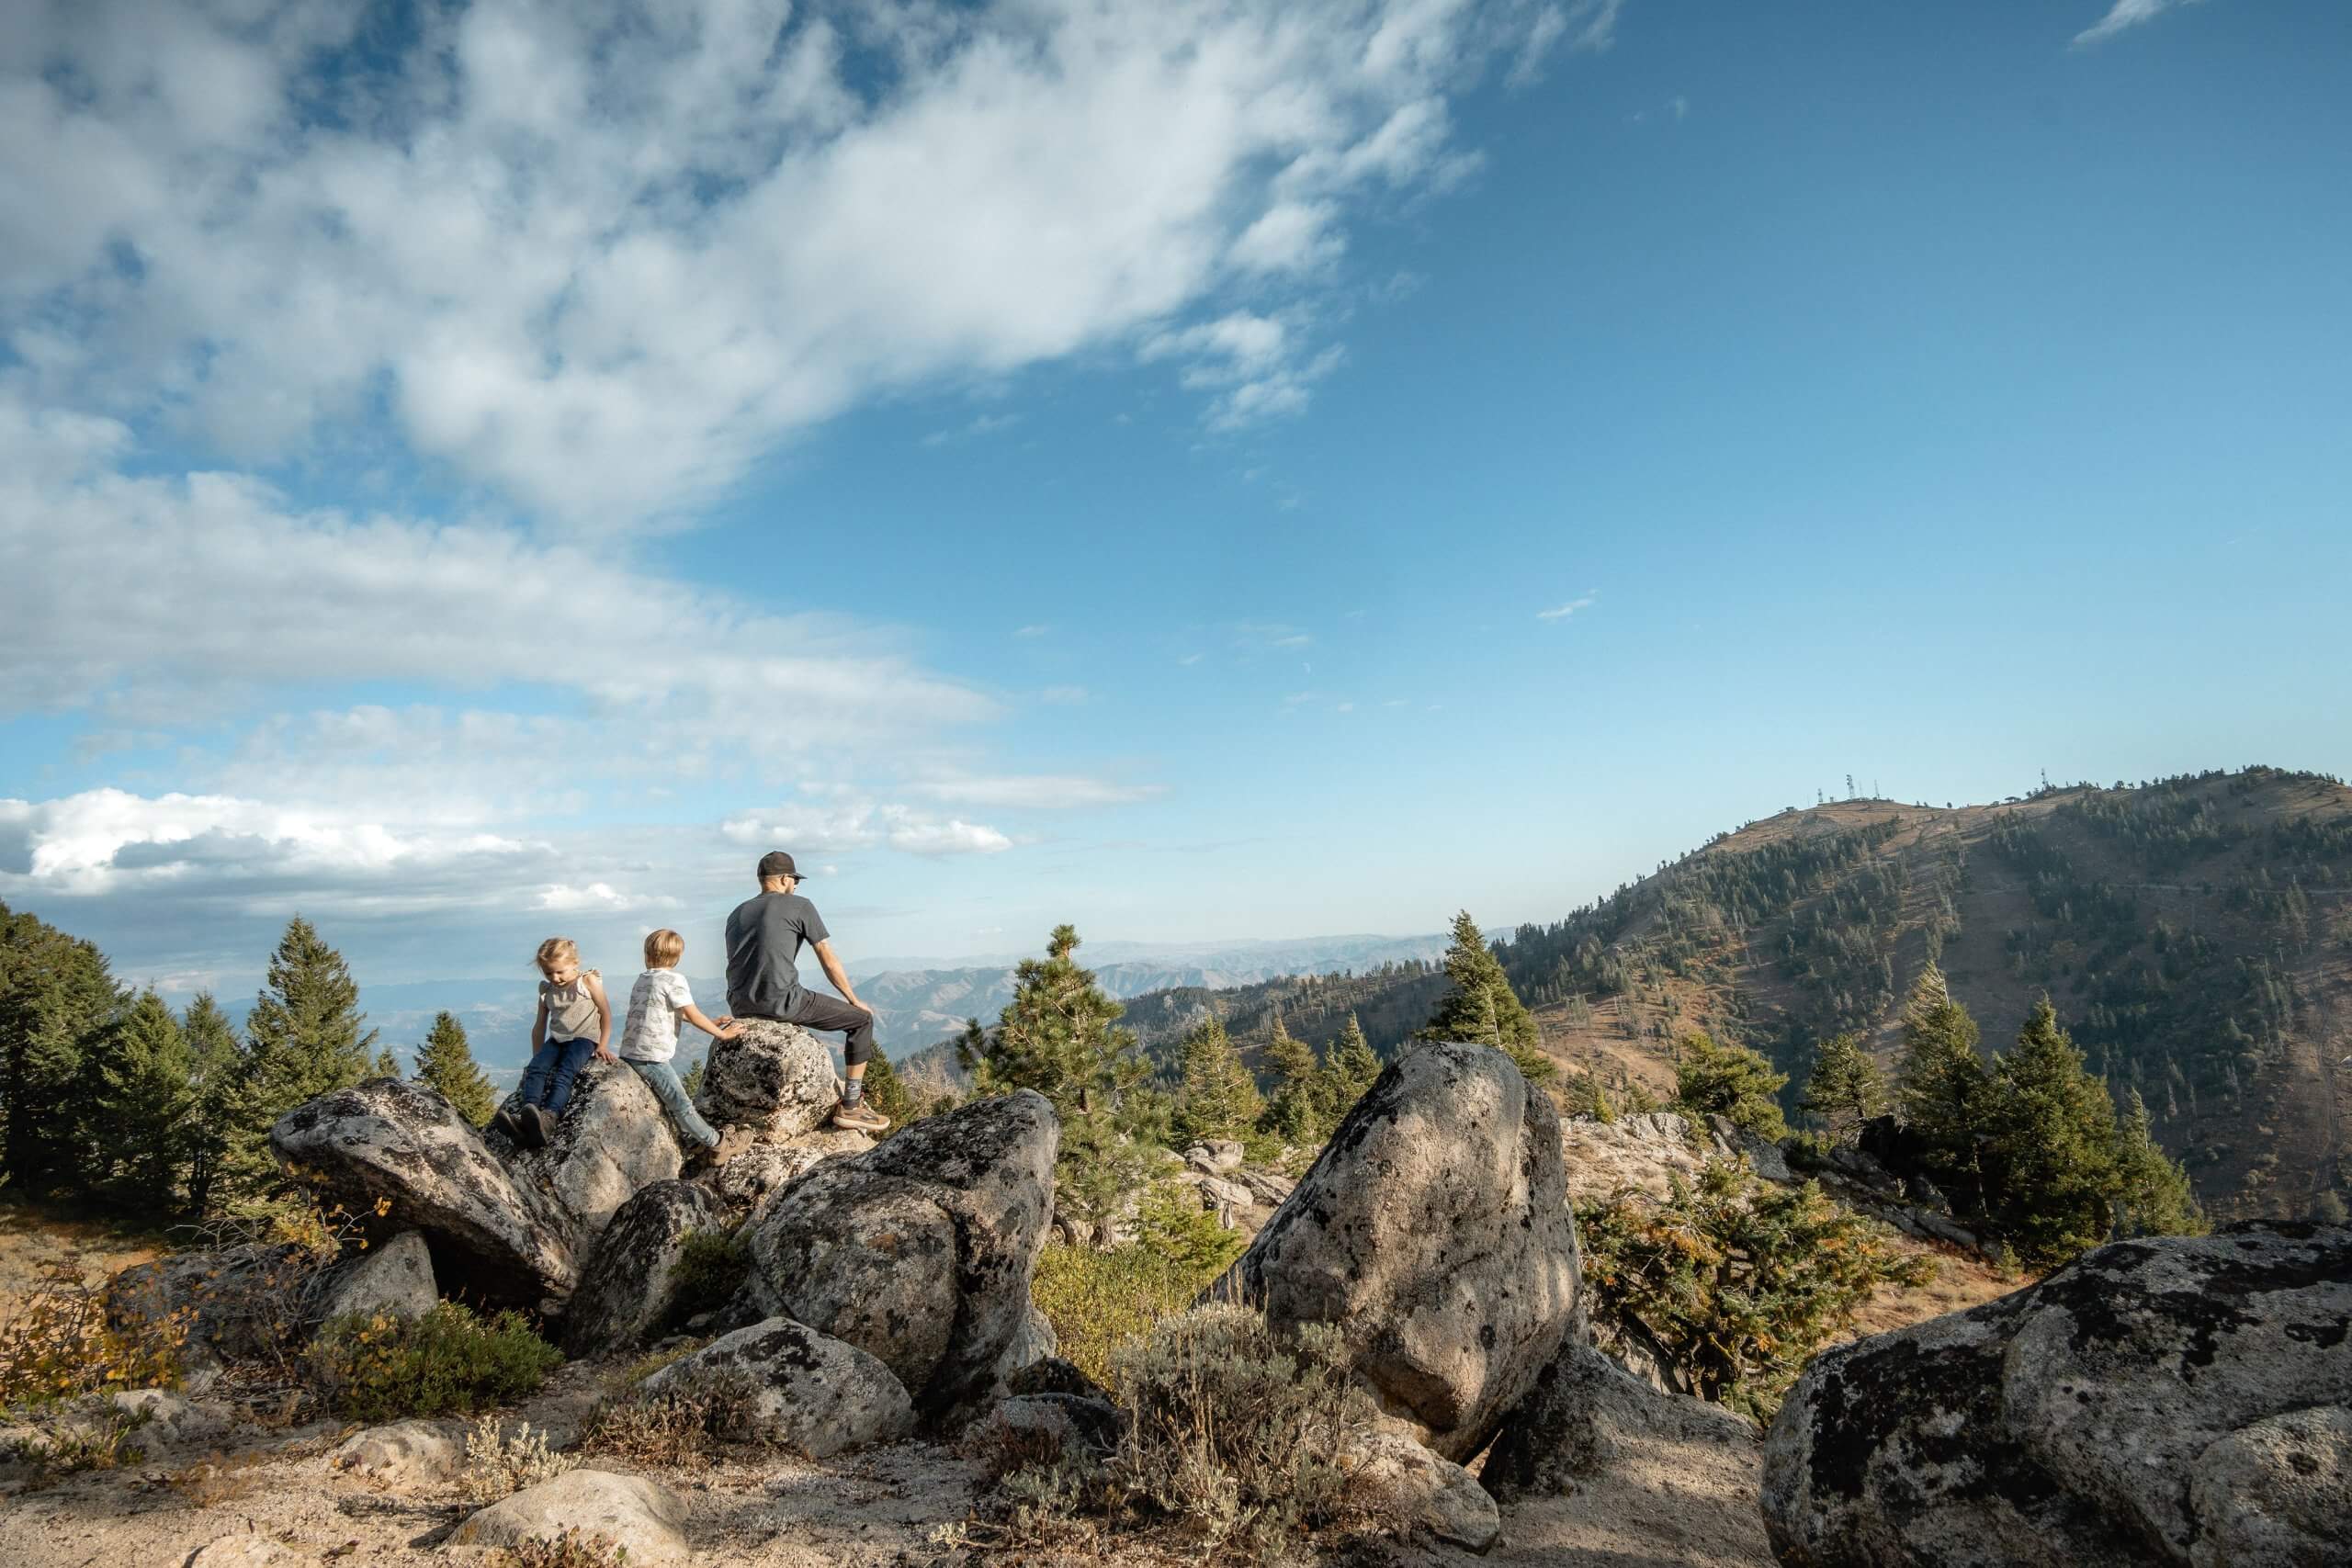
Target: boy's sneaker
x,y
860,1118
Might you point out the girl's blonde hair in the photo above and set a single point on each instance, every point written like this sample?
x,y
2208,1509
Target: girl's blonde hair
x,y
664,948
557,947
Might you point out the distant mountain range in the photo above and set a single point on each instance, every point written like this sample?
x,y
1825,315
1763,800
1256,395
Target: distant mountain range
x,y
916,1001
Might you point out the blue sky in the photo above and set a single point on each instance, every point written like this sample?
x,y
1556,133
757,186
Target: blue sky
x,y
1200,472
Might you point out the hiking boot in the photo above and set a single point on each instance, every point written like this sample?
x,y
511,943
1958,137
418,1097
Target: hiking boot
x,y
537,1126
860,1118
503,1122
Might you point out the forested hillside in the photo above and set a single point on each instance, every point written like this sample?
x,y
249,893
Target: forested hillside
x,y
2195,934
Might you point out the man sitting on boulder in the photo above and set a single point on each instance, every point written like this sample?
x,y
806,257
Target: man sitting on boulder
x,y
763,940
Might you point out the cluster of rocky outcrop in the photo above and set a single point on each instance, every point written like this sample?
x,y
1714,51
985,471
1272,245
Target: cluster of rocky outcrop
x,y
2177,1401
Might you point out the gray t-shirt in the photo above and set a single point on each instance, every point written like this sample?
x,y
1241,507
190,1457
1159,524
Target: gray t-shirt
x,y
763,938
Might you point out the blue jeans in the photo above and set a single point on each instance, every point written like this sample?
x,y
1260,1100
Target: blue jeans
x,y
662,1080
547,1080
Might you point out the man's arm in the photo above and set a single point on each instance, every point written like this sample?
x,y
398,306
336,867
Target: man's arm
x,y
836,974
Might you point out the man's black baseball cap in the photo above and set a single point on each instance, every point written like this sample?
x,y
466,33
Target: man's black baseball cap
x,y
775,862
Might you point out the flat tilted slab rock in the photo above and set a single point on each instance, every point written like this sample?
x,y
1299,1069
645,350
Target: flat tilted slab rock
x,y
2175,1400
490,1237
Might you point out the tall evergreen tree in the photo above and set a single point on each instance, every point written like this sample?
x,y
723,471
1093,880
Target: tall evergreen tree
x,y
145,1104
445,1063
886,1091
217,1076
1941,1092
1731,1081
2155,1199
2052,1178
385,1064
1217,1097
58,1009
1060,1035
303,1039
1844,1089
1482,1007
1294,1114
1350,1068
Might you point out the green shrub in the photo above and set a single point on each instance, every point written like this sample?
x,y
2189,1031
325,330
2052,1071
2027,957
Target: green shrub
x,y
1731,1081
55,1343
382,1368
1100,1300
1741,1280
675,1427
712,1266
1171,1223
98,1440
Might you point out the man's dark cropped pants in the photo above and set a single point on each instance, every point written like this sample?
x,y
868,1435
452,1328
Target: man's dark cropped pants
x,y
813,1010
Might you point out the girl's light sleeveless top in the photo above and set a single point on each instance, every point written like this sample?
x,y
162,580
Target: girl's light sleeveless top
x,y
572,1011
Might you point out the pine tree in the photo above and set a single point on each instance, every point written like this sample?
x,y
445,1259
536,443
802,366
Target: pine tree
x,y
886,1092
1730,1082
302,1039
58,1009
146,1104
1482,1008
1844,1089
385,1064
1294,1114
2052,1180
1350,1068
2156,1198
1217,1097
1061,1036
217,1076
1942,1091
444,1063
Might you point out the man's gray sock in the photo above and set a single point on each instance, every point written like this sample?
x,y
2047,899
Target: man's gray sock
x,y
853,1091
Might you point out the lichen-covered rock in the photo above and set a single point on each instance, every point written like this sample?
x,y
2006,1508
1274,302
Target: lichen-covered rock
x,y
781,1161
919,1252
1435,1229
492,1238
632,1513
394,1278
630,1284
1586,1412
1390,1474
1215,1156
612,1141
2141,1405
402,1454
772,1077
803,1389
1034,1341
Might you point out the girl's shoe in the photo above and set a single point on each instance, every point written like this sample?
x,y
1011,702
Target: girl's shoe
x,y
860,1118
503,1122
538,1125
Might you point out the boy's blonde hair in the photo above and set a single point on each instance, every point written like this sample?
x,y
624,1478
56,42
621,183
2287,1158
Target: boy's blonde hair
x,y
557,947
664,948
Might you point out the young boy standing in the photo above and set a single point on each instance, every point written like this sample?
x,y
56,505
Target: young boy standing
x,y
656,1004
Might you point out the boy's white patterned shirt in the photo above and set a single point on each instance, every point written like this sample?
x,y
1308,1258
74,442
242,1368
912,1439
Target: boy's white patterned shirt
x,y
655,1003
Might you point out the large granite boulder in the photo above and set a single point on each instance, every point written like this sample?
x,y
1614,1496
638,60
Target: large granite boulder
x,y
2174,1401
630,1282
775,1079
1435,1229
802,1390
1395,1477
612,1141
493,1238
919,1252
392,1278
1586,1412
779,1161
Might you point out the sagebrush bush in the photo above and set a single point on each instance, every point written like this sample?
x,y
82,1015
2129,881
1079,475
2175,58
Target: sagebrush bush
x,y
675,1427
96,1439
499,1466
55,1343
381,1367
1238,1432
1100,1300
575,1547
712,1265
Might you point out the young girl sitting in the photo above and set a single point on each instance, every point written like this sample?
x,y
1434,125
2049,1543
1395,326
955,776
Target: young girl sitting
x,y
574,1022
660,1000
